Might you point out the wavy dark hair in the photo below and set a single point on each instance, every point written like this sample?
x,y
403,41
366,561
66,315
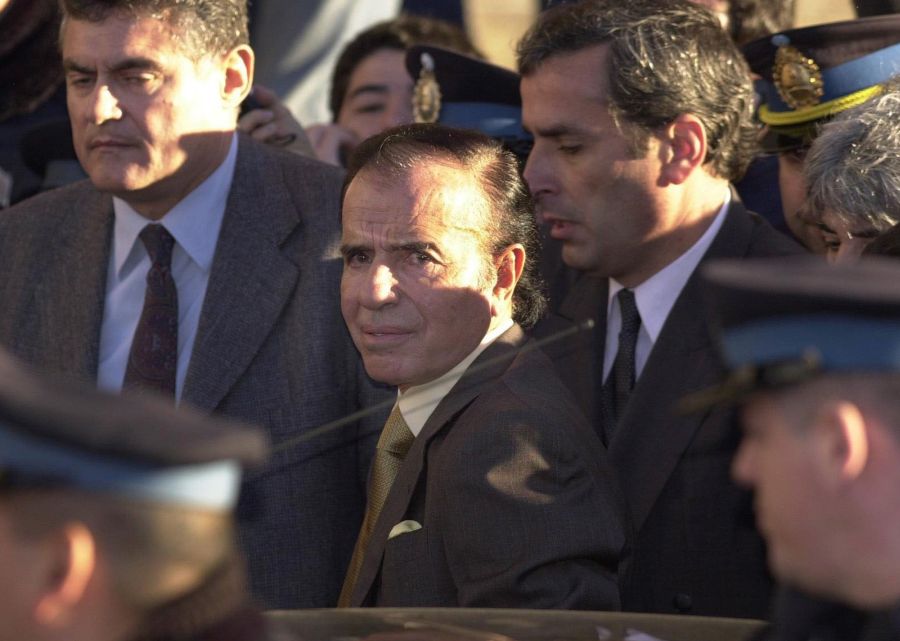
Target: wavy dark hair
x,y
204,26
667,58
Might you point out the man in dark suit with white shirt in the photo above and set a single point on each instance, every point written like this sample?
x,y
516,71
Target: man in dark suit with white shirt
x,y
488,487
199,264
642,114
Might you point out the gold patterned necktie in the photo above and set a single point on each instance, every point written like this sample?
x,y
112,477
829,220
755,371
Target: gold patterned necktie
x,y
393,444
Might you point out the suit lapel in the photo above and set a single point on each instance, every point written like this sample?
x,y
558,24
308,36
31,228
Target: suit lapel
x,y
489,365
251,280
70,304
651,439
588,300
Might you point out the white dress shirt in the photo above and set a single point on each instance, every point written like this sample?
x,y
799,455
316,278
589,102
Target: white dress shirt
x,y
194,223
656,296
418,402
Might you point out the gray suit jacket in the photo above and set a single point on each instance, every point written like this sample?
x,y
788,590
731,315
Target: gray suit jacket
x,y
271,348
694,546
517,503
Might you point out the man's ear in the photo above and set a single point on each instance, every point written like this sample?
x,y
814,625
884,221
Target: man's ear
x,y
238,67
685,144
509,265
842,441
68,567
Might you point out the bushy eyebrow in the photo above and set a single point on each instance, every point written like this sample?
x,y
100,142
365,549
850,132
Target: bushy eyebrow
x,y
126,64
554,131
414,246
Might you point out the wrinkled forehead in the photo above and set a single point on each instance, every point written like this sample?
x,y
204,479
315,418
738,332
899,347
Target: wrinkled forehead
x,y
434,194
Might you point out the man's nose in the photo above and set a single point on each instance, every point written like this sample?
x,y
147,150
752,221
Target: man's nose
x,y
105,105
381,288
536,173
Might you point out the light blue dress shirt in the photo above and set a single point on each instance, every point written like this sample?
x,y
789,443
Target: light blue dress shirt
x,y
194,223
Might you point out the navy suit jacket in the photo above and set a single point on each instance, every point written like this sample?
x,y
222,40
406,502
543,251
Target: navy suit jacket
x,y
694,547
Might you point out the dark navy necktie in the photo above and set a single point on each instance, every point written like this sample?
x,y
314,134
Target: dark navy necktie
x,y
621,377
153,359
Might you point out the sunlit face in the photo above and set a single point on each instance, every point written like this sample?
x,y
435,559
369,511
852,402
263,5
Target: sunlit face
x,y
845,240
586,181
799,219
379,95
414,292
149,124
777,459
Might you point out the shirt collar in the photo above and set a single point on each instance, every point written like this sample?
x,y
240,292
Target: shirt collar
x,y
418,403
194,221
656,296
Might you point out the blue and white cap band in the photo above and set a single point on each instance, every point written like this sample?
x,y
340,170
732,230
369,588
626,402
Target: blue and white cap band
x,y
841,343
213,486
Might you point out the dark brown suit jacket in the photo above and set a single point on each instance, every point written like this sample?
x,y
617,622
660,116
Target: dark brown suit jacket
x,y
694,546
517,503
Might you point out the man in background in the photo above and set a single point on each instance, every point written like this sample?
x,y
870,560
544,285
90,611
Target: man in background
x,y
642,115
200,264
809,75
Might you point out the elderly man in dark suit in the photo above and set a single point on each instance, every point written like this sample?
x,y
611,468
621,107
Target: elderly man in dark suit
x,y
641,114
488,487
199,264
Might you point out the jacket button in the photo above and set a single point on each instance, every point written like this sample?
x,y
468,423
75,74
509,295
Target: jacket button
x,y
683,602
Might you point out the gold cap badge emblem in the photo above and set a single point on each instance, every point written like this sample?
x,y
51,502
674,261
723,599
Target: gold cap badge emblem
x,y
797,77
427,93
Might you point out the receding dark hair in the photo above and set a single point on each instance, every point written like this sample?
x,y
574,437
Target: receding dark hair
x,y
510,217
399,34
206,26
667,58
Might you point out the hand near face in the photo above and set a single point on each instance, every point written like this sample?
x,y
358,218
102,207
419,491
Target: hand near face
x,y
331,142
274,124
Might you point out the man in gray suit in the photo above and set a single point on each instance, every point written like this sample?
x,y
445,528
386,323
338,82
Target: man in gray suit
x,y
488,487
641,114
202,265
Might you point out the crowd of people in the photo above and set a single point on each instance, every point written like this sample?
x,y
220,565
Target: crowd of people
x,y
504,339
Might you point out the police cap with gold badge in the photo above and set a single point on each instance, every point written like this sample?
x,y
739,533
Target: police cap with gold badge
x,y
460,91
61,434
781,321
810,74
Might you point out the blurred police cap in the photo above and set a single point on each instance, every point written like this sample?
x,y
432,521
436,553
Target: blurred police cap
x,y
60,433
781,321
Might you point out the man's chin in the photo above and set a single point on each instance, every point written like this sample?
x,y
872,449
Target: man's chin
x,y
115,184
124,186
